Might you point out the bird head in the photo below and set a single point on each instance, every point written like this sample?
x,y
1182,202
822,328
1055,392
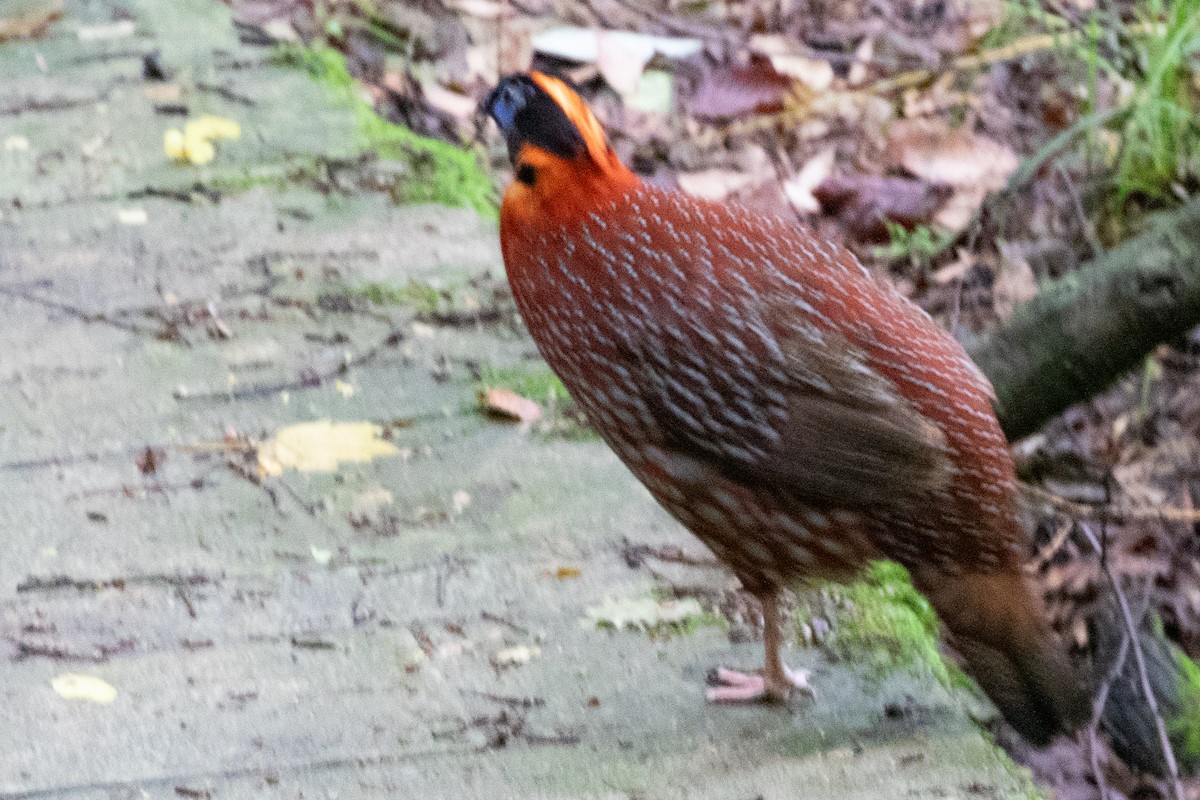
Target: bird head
x,y
558,149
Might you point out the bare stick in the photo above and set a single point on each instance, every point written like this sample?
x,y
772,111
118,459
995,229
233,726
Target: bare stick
x,y
1131,629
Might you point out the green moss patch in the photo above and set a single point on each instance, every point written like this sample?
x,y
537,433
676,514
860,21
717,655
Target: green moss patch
x,y
882,622
1185,728
441,173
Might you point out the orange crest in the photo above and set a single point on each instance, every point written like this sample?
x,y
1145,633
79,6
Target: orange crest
x,y
578,112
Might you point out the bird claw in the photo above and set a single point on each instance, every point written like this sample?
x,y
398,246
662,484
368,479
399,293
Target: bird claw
x,y
731,686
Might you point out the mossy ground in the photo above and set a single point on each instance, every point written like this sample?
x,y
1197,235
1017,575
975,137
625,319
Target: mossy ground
x,y
1185,729
882,622
442,173
413,294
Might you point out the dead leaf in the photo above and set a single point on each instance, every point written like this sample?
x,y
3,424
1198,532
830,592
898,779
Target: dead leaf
x,y
799,188
163,92
512,656
584,45
621,61
728,92
974,165
149,460
715,184
212,128
321,447
564,573
484,9
507,404
866,203
643,613
194,144
84,687
32,22
620,56
786,57
134,216
863,55
1014,285
937,153
366,506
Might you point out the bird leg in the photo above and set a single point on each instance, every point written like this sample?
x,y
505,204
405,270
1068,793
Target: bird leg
x,y
776,682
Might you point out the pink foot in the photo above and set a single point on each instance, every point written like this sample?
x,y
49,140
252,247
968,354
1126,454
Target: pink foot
x,y
739,687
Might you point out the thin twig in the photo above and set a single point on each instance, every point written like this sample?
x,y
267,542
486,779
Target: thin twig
x,y
1089,230
1101,699
308,379
1045,554
78,313
1131,627
1114,513
1093,746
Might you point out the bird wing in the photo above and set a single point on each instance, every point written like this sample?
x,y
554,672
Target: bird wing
x,y
802,411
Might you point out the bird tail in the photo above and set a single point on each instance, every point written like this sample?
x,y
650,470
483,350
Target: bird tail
x,y
999,627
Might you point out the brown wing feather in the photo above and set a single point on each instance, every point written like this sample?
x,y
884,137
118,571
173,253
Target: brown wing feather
x,y
816,422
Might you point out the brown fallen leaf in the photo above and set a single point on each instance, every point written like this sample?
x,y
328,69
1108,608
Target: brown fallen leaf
x,y
31,22
321,446
507,404
1014,284
788,58
715,184
149,460
933,151
866,203
937,153
799,188
727,92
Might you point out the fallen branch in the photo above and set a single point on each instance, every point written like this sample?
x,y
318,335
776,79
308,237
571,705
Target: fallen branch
x,y
1084,331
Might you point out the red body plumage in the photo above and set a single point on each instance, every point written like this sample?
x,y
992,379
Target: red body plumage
x,y
798,415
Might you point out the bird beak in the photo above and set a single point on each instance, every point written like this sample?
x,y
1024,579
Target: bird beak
x,y
504,103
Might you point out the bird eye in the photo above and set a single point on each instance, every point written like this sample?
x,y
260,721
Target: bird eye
x,y
526,174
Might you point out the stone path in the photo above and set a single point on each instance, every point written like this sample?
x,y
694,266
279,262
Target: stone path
x,y
409,627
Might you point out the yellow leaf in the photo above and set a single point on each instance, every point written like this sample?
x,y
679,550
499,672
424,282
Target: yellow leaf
x,y
84,687
195,142
321,446
198,151
173,144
